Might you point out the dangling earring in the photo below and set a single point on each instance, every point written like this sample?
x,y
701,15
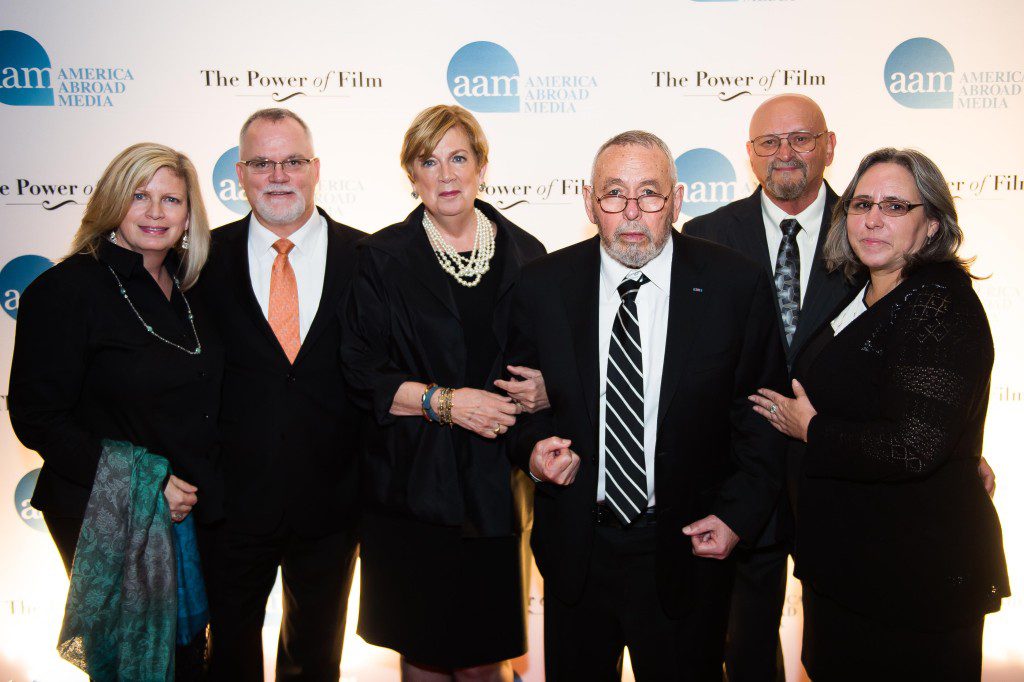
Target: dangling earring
x,y
414,195
184,242
483,186
113,237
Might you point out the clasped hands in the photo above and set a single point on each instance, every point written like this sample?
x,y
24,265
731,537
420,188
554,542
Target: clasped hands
x,y
553,461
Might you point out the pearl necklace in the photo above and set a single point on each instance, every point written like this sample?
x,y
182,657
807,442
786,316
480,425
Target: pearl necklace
x,y
149,328
466,271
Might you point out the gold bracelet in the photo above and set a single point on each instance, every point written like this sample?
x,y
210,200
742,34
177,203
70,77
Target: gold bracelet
x,y
445,404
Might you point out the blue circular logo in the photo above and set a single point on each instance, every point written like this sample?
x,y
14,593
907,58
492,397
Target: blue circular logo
x,y
27,79
226,185
22,501
708,180
484,76
15,276
919,74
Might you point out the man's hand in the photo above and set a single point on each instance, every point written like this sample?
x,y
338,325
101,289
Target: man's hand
x,y
529,391
181,497
711,537
553,462
987,476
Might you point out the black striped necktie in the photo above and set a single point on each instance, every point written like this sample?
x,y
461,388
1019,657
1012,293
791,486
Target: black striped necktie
x,y
625,471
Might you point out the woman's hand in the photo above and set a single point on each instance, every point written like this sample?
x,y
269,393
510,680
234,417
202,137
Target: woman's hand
x,y
485,414
529,392
791,416
181,497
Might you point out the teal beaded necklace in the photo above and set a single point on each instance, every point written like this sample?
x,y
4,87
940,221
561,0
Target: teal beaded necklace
x,y
149,328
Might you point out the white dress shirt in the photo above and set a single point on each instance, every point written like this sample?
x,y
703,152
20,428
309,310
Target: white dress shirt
x,y
806,238
850,312
652,313
308,259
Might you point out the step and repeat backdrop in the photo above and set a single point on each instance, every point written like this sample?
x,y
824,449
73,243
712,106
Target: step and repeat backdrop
x,y
549,82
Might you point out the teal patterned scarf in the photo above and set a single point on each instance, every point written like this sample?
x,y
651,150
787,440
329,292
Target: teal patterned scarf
x,y
123,605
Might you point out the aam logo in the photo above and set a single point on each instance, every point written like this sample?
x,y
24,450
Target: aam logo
x,y
25,71
23,501
15,276
708,180
919,74
484,76
226,185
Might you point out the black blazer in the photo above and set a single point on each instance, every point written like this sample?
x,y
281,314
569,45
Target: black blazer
x,y
288,432
85,369
402,324
740,226
714,454
893,519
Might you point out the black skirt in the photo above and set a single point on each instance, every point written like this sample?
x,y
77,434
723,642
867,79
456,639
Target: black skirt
x,y
440,599
840,645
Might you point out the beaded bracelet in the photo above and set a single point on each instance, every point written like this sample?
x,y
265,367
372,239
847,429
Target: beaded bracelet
x,y
428,411
444,407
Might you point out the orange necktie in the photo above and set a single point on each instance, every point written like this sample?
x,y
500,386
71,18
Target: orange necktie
x,y
284,301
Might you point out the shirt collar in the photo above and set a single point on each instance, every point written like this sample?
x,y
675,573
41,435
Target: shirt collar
x,y
809,218
658,270
127,263
303,238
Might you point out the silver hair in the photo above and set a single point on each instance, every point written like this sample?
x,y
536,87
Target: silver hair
x,y
640,138
274,115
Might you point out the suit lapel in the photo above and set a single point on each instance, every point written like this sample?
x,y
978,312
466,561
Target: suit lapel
x,y
579,295
333,282
751,239
238,256
685,307
824,289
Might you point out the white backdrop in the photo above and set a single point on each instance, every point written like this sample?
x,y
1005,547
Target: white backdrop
x,y
549,82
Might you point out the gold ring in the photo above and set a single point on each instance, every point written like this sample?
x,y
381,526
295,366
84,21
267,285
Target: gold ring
x,y
497,429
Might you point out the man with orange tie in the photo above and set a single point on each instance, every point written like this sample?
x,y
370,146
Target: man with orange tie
x,y
274,281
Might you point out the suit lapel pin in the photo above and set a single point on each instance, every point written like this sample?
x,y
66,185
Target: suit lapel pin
x,y
698,290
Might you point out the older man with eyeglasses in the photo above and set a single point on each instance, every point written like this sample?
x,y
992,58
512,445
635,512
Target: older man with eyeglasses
x,y
782,226
275,282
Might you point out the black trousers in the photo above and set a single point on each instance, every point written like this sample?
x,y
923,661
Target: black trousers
x,y
317,575
753,652
620,609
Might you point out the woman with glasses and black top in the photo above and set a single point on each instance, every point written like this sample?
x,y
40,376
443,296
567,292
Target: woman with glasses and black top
x,y
898,545
109,346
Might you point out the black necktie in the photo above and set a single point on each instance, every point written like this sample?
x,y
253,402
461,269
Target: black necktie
x,y
787,278
625,469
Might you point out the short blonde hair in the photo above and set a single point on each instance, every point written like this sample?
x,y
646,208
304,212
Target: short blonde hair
x,y
134,168
431,124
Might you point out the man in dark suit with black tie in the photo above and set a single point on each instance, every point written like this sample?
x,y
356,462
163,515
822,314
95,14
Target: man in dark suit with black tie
x,y
782,226
650,466
275,282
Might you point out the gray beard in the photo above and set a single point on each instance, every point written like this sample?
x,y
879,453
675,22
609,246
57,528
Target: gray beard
x,y
788,191
283,215
634,256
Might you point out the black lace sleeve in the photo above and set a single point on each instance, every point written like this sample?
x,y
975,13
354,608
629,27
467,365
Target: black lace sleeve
x,y
938,352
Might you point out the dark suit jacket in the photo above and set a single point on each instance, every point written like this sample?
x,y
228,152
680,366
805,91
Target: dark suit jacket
x,y
402,324
288,432
740,226
714,454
